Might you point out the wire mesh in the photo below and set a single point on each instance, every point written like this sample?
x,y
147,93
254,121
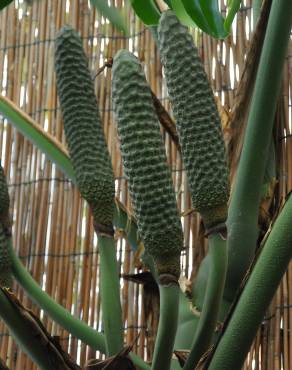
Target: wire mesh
x,y
52,226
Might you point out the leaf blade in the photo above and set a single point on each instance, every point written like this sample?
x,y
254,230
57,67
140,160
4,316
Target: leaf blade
x,y
214,18
194,10
111,13
181,13
233,9
31,130
4,3
147,11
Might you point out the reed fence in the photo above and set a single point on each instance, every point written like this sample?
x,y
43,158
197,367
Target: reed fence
x,y
52,226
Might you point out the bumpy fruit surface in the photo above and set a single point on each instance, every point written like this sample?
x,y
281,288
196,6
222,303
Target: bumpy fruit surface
x,y
4,195
198,121
145,164
83,130
5,262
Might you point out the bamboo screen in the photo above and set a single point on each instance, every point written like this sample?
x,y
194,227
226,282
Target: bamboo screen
x,y
52,226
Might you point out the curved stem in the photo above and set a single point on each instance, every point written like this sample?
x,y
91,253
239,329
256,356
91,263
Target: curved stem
x,y
256,296
22,333
58,313
141,364
212,300
244,206
110,295
169,300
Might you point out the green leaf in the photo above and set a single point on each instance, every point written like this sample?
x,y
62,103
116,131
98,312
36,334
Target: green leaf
x,y
194,10
32,131
4,3
111,13
233,6
205,14
214,18
178,8
147,11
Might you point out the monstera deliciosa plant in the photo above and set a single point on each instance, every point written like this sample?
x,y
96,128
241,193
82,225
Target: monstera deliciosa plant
x,y
223,290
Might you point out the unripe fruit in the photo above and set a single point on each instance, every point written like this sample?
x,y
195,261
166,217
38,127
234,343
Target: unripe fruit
x,y
145,164
198,121
83,130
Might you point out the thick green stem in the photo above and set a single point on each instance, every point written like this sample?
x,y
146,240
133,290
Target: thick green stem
x,y
110,295
169,301
212,300
256,10
257,294
244,207
58,313
22,333
141,364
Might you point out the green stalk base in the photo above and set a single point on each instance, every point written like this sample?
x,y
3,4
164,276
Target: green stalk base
x,y
213,296
169,301
256,296
110,295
